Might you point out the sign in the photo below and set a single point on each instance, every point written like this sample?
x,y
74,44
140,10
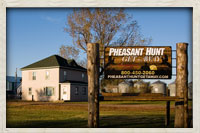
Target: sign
x,y
139,62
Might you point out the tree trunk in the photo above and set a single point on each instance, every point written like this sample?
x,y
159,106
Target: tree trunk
x,y
167,115
93,84
181,106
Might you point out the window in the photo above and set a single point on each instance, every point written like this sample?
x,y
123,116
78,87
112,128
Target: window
x,y
47,75
65,75
76,91
83,75
84,90
34,75
49,91
29,91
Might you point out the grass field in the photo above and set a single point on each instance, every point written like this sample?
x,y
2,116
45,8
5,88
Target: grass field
x,y
113,114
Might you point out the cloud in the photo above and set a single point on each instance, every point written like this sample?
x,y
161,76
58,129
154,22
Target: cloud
x,y
52,20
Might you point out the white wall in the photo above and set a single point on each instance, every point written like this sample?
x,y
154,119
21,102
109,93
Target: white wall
x,y
39,84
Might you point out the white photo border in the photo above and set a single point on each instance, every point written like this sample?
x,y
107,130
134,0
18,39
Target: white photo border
x,y
195,4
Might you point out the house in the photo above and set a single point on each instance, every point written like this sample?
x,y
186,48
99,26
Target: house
x,y
54,78
12,82
11,86
19,91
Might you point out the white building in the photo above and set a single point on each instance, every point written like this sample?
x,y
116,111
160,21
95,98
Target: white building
x,y
54,78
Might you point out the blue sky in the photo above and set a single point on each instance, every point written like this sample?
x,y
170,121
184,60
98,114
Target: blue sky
x,y
36,33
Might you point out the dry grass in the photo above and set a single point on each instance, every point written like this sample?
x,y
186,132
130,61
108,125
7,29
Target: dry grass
x,y
74,114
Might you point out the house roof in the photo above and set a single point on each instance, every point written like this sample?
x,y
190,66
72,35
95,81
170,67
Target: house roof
x,y
12,79
54,61
158,82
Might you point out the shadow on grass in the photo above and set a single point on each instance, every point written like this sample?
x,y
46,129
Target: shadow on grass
x,y
122,121
133,102
114,121
71,123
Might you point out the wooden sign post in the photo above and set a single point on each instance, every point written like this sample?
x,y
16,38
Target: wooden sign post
x,y
167,115
93,84
181,106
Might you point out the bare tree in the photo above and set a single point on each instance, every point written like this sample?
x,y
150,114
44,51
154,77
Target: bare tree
x,y
106,26
63,52
70,52
83,62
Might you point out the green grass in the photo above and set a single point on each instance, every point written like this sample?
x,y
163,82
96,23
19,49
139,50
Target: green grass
x,y
113,114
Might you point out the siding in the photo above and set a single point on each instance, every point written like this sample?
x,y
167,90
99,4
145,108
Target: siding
x,y
74,75
39,84
80,96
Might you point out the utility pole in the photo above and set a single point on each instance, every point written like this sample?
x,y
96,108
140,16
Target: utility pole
x,y
15,89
